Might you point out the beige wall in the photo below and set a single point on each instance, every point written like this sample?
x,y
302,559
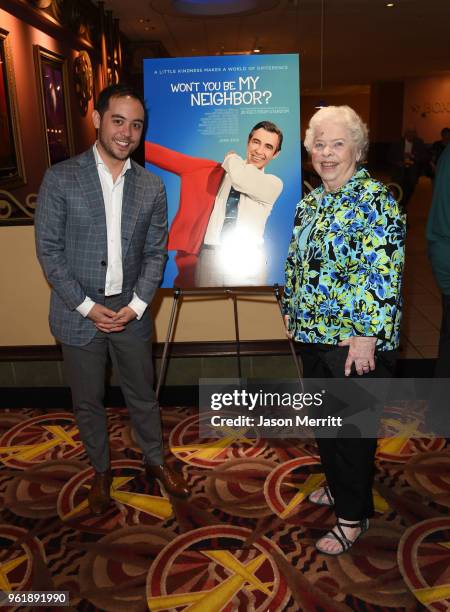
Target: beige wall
x,y
25,298
427,106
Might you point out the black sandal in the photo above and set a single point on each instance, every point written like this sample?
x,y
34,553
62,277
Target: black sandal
x,y
341,538
324,499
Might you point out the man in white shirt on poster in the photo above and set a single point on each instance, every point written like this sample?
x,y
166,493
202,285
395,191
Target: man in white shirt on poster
x,y
219,226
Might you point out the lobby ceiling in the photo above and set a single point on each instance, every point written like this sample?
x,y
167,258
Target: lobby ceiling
x,y
364,41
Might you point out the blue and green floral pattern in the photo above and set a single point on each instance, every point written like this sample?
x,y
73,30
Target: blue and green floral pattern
x,y
347,280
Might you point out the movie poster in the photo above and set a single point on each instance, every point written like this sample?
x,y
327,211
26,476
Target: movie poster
x,y
224,135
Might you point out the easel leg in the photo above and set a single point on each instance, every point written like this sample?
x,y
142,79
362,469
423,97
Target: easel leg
x,y
298,364
162,371
238,341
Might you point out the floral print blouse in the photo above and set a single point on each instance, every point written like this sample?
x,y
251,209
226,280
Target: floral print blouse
x,y
347,279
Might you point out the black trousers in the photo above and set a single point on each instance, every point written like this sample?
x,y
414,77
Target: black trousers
x,y
407,177
85,368
437,415
442,369
348,463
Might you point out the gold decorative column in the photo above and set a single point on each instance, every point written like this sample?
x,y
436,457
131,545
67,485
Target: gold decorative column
x,y
101,10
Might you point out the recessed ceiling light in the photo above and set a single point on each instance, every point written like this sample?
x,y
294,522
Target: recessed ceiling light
x,y
141,20
390,4
216,7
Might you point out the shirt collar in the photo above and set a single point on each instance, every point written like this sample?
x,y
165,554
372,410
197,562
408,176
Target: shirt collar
x,y
316,196
359,175
99,161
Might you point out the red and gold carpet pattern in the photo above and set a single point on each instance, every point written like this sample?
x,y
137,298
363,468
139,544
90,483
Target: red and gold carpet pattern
x,y
244,541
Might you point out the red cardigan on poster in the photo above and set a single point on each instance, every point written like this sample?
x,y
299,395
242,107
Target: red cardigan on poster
x,y
200,182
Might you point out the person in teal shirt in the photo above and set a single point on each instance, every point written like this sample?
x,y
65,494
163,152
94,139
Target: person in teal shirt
x,y
438,225
438,236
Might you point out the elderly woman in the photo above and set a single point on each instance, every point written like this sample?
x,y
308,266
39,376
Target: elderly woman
x,y
342,300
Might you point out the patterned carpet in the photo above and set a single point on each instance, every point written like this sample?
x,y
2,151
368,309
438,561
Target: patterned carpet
x,y
244,540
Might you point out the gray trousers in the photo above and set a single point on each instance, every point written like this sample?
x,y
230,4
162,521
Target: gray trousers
x,y
85,370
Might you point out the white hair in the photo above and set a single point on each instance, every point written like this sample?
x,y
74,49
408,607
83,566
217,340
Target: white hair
x,y
347,117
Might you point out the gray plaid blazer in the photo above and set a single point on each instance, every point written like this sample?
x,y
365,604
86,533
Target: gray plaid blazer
x,y
71,242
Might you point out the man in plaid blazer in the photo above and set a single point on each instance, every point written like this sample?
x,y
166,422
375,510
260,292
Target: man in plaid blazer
x,y
101,231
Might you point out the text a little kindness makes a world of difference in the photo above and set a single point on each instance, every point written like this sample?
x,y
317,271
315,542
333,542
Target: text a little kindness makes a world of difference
x,y
249,403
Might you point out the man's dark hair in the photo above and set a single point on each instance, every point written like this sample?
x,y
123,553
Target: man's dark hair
x,y
269,127
118,90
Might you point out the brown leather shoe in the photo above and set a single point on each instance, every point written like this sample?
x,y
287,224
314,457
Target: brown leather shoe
x,y
173,483
99,496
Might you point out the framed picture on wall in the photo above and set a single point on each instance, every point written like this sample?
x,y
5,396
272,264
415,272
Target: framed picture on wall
x,y
12,171
53,84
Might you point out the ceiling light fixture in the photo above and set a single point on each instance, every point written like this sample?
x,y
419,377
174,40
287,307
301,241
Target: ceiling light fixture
x,y
214,7
390,4
222,52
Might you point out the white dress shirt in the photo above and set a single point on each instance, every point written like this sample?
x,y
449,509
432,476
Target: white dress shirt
x,y
408,147
112,198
